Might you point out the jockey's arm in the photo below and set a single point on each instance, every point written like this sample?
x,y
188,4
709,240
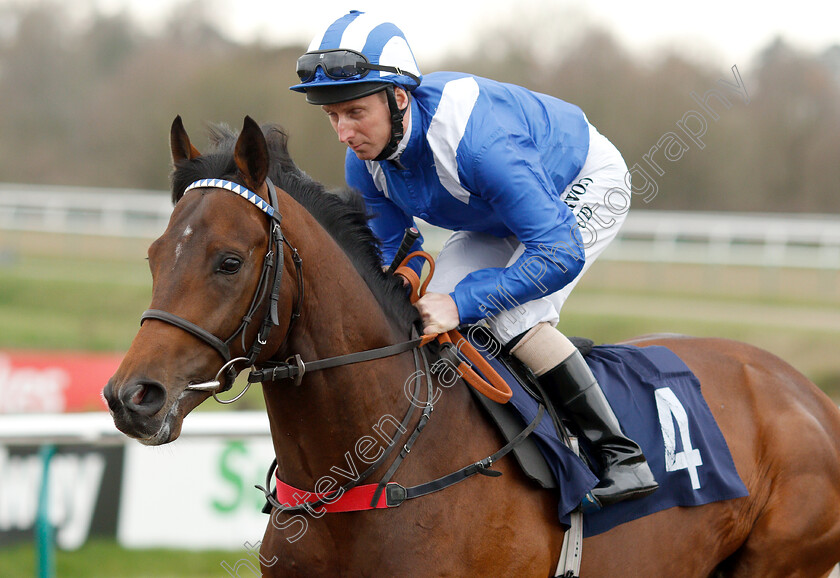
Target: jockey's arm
x,y
510,176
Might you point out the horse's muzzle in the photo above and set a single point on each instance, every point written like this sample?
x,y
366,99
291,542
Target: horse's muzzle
x,y
134,406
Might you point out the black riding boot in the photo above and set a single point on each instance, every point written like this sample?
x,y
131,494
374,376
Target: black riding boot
x,y
626,474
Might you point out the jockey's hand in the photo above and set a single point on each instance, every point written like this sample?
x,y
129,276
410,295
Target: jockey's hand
x,y
438,312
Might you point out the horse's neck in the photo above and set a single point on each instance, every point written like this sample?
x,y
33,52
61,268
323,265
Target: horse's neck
x,y
313,425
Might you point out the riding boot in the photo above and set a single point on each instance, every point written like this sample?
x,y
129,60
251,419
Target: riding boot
x,y
625,475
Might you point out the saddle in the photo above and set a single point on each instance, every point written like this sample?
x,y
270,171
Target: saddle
x,y
509,422
659,403
657,400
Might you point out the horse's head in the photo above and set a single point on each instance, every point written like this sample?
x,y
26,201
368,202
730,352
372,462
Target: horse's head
x,y
215,288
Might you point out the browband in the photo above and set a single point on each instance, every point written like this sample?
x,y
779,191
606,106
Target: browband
x,y
243,192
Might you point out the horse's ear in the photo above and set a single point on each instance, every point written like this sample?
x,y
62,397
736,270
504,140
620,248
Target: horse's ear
x,y
251,154
179,143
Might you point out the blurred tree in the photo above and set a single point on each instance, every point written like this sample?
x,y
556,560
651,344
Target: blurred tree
x,y
91,104
797,115
37,89
108,44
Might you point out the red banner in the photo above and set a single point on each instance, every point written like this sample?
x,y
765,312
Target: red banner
x,y
54,381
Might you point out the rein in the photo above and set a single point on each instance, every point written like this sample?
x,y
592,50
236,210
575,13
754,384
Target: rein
x,y
352,496
384,494
452,342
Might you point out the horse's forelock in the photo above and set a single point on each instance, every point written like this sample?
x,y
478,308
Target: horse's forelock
x,y
222,137
208,166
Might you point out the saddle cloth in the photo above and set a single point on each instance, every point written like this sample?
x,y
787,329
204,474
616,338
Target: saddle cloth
x,y
659,404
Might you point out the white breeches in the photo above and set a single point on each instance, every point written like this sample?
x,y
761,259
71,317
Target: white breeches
x,y
599,197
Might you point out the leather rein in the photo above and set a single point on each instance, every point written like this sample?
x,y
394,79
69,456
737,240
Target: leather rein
x,y
384,493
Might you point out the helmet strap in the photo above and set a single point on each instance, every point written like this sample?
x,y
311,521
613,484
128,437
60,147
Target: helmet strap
x,y
397,131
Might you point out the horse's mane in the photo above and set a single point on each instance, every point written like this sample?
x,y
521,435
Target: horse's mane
x,y
341,213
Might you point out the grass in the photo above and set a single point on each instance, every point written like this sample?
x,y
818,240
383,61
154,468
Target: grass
x,y
71,292
78,304
101,558
793,314
82,293
88,294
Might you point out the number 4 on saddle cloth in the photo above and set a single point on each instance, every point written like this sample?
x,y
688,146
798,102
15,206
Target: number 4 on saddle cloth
x,y
658,402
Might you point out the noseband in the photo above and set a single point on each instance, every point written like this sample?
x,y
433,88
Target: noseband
x,y
265,288
394,493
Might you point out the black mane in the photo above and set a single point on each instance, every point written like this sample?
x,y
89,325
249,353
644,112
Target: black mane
x,y
342,213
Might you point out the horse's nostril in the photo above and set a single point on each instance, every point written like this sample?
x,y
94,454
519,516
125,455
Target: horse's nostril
x,y
137,398
145,398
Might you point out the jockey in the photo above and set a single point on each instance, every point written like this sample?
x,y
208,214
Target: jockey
x,y
519,177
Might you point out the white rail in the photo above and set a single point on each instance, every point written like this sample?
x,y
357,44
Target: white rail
x,y
88,211
751,239
756,239
97,428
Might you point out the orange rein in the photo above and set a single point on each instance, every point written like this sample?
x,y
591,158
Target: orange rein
x,y
493,387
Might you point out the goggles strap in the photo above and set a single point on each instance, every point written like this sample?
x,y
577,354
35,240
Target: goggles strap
x,y
393,69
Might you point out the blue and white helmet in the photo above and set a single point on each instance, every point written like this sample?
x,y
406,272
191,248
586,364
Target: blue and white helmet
x,y
375,54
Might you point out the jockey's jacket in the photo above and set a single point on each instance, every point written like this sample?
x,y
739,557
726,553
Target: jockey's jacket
x,y
481,155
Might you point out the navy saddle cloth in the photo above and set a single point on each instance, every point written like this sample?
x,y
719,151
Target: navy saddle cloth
x,y
659,404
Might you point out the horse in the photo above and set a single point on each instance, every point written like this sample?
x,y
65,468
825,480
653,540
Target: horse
x,y
303,260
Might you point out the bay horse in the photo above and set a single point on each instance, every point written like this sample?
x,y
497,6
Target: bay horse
x,y
296,274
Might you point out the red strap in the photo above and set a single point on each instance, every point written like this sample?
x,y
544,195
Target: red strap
x,y
352,500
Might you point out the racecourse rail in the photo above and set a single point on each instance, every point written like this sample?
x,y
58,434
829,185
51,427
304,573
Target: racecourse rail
x,y
97,428
806,241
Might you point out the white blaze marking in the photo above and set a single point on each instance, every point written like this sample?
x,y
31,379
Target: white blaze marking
x,y
179,247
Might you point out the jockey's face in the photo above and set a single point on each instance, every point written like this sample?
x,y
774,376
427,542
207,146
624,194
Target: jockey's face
x,y
364,124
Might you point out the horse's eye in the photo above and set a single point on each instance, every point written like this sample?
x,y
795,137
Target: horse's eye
x,y
230,266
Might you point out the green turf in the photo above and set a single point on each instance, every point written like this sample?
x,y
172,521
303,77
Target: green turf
x,y
79,304
100,558
52,297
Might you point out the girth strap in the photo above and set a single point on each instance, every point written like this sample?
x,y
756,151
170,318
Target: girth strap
x,y
367,497
189,327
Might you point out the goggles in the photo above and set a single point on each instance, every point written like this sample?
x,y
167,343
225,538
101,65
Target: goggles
x,y
341,64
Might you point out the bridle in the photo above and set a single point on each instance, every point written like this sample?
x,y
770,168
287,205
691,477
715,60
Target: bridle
x,y
293,368
383,493
267,287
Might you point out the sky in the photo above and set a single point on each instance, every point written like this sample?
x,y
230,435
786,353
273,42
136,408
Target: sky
x,y
723,32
